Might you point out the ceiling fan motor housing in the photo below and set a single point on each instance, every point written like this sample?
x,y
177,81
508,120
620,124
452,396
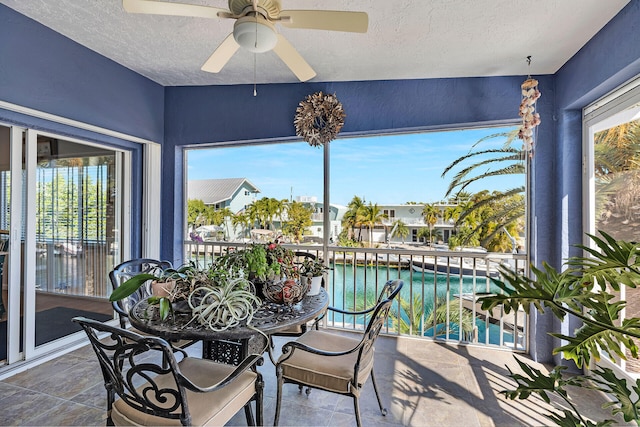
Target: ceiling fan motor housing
x,y
271,8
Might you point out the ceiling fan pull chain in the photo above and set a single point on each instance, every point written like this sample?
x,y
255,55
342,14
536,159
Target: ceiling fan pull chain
x,y
255,91
255,44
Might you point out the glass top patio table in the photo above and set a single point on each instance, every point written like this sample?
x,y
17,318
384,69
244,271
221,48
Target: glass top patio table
x,y
233,344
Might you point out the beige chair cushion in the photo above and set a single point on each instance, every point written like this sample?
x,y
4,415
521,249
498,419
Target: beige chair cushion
x,y
291,330
332,373
214,408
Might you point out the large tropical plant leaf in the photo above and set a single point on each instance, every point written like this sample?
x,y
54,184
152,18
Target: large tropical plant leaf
x,y
550,289
534,381
569,419
462,184
600,331
613,262
626,401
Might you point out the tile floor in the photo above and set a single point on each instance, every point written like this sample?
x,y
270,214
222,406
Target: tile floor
x,y
422,384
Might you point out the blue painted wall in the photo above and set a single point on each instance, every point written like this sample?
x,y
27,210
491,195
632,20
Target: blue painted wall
x,y
46,71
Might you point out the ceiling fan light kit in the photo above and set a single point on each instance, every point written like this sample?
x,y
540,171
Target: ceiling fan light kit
x,y
254,29
255,34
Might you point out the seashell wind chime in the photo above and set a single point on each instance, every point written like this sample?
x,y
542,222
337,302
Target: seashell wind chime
x,y
530,119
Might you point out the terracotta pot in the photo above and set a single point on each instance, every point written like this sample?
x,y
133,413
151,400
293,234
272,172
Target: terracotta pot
x,y
162,289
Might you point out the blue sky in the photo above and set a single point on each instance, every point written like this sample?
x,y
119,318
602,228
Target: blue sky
x,y
381,169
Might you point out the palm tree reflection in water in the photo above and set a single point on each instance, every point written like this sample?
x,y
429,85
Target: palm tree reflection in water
x,y
414,314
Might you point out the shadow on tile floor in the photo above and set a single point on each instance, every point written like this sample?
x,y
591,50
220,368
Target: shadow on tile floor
x,y
422,383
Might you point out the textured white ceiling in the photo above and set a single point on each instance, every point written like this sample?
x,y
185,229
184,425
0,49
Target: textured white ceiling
x,y
407,39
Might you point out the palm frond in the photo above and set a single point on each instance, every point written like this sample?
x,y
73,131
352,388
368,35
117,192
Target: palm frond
x,y
514,155
496,197
464,183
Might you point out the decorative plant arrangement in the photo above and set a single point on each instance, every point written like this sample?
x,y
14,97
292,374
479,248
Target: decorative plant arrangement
x,y
584,290
286,291
225,295
312,270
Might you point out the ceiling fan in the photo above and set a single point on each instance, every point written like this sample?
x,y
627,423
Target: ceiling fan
x,y
255,30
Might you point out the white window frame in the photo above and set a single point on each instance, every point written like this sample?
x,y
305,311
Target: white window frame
x,y
620,106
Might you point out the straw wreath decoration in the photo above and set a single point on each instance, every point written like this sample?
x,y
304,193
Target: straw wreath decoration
x,y
319,118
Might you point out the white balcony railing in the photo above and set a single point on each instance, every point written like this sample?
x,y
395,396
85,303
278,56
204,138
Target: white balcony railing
x,y
440,288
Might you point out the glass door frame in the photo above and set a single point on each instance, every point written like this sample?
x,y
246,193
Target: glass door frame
x,y
14,265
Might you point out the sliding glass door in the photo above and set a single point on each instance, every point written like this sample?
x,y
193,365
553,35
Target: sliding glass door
x,y
77,240
62,204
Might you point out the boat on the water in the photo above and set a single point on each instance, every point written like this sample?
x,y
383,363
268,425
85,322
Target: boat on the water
x,y
452,267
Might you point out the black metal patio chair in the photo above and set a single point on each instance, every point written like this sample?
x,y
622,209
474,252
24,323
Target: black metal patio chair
x,y
144,390
333,362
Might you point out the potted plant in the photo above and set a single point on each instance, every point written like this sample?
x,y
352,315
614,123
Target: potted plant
x,y
312,270
586,289
164,286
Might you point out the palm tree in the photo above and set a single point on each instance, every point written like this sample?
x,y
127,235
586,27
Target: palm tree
x,y
272,208
424,233
240,219
431,214
264,210
503,161
490,215
281,209
226,214
370,216
399,228
437,318
413,318
350,219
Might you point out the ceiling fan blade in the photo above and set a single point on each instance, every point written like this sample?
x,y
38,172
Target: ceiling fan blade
x,y
332,20
175,9
292,58
221,55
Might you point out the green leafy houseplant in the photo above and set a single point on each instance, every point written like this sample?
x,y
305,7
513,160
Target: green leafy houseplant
x,y
162,276
261,262
585,289
312,268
